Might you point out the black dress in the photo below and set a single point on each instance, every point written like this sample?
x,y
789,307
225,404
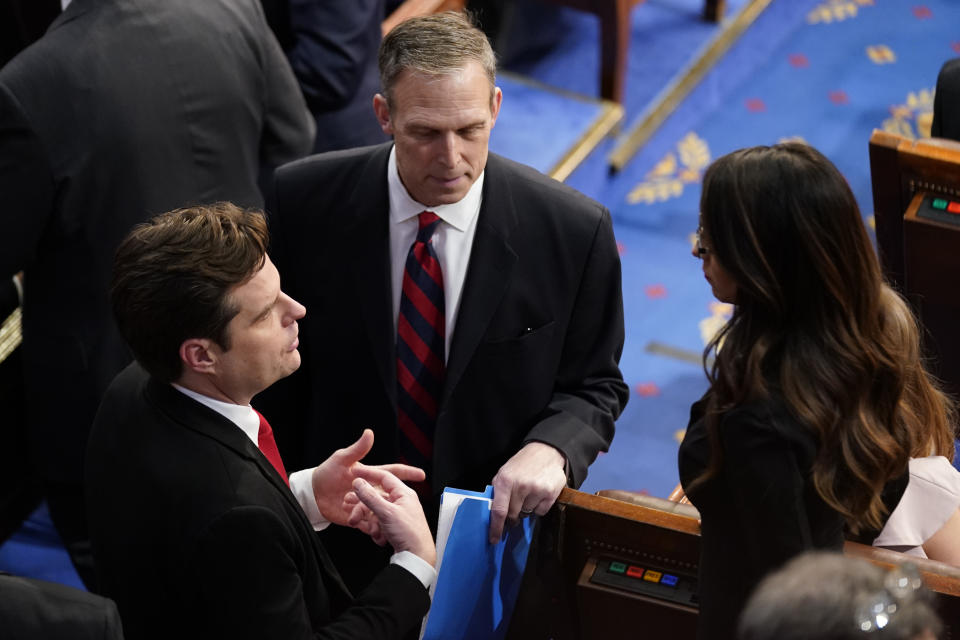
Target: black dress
x,y
759,511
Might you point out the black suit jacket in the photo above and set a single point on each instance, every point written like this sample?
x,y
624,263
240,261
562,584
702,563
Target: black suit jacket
x,y
332,47
538,337
946,102
761,509
196,536
534,354
123,110
32,609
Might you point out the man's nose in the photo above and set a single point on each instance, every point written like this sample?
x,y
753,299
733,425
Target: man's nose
x,y
295,310
449,152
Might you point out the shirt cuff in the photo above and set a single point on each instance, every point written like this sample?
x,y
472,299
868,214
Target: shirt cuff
x,y
420,568
301,484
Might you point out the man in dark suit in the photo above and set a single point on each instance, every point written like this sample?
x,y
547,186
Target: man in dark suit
x,y
122,110
332,47
197,530
39,609
524,388
946,102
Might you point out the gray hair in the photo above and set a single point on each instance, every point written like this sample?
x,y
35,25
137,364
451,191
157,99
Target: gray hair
x,y
828,596
437,44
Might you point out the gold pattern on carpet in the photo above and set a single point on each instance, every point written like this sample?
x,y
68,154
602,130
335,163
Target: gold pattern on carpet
x,y
676,170
836,11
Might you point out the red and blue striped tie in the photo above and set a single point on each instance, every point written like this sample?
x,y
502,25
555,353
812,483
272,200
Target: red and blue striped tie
x,y
420,347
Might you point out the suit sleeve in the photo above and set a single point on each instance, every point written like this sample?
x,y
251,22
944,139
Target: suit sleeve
x,y
288,127
332,47
40,609
248,571
767,491
589,392
27,185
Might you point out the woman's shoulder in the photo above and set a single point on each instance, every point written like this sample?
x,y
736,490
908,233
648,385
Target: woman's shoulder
x,y
931,497
768,419
937,472
771,413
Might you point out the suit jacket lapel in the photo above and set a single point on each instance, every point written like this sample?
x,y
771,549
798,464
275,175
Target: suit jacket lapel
x,y
491,263
369,234
194,416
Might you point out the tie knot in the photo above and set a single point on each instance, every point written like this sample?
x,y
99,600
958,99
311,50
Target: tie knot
x,y
428,224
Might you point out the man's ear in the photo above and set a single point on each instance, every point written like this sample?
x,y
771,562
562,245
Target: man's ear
x,y
198,355
495,105
382,111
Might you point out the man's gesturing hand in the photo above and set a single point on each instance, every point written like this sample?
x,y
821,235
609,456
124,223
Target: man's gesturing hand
x,y
333,479
397,510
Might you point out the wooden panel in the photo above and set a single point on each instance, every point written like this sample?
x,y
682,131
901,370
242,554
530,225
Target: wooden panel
x,y
559,601
901,168
931,272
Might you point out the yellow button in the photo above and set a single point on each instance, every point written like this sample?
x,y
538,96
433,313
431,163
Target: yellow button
x,y
652,576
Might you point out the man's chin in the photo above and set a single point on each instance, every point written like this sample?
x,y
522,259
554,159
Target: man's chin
x,y
291,366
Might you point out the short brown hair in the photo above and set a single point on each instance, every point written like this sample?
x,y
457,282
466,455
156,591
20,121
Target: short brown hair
x,y
437,44
172,277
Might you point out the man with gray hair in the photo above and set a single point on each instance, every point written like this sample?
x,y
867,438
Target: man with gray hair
x,y
827,596
469,309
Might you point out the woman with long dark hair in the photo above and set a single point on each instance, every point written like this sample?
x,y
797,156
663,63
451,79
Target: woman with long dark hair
x,y
817,396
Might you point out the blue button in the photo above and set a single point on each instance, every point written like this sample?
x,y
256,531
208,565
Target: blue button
x,y
669,580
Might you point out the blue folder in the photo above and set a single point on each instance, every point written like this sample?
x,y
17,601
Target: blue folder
x,y
478,583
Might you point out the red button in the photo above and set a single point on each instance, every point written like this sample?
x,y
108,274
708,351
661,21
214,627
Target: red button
x,y
634,572
953,207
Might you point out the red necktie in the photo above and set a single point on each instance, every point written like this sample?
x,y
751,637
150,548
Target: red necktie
x,y
268,446
420,347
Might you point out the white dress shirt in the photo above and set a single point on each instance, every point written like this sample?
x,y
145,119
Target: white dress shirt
x,y
301,482
452,240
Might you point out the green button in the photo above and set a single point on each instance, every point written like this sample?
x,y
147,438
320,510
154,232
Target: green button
x,y
618,567
939,203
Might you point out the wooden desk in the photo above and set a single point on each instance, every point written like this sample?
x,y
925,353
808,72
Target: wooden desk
x,y
559,600
920,258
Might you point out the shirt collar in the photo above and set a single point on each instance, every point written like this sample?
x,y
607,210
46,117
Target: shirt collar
x,y
239,414
403,207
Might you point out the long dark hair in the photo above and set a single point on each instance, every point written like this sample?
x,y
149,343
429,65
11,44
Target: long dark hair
x,y
815,324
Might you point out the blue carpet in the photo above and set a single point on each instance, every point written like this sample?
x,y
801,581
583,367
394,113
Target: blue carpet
x,y
559,48
519,133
